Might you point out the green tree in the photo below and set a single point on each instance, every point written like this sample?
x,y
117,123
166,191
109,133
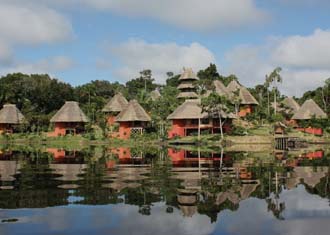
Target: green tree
x,y
216,105
274,78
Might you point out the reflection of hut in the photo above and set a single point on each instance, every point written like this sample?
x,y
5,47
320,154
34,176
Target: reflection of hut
x,y
69,172
70,119
8,169
114,107
308,111
132,120
247,101
185,120
10,117
187,201
310,176
187,87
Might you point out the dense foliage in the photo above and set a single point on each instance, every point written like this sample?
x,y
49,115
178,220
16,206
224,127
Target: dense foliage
x,y
39,96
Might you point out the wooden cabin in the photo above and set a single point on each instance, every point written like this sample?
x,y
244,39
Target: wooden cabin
x,y
70,119
10,117
132,120
247,101
185,120
187,87
306,112
117,104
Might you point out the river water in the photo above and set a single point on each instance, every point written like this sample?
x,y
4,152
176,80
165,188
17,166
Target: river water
x,y
163,191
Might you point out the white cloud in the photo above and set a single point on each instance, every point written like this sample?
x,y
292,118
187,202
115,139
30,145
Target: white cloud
x,y
304,51
5,53
136,55
32,24
190,14
49,65
304,59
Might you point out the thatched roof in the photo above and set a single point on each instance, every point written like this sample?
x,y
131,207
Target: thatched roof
x,y
133,112
116,104
155,95
10,114
186,85
191,109
308,110
70,112
233,86
188,74
246,96
290,103
188,94
220,88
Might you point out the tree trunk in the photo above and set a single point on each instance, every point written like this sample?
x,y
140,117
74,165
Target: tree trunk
x,y
268,102
220,125
199,129
275,100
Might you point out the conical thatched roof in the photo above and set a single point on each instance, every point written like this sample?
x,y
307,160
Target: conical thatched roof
x,y
70,112
188,74
246,96
116,104
155,95
187,94
220,88
191,109
291,104
308,110
133,112
10,114
233,86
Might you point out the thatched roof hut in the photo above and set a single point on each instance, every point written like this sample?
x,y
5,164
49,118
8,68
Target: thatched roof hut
x,y
191,109
154,95
290,103
133,112
308,110
246,96
233,86
70,112
187,87
220,88
116,104
10,114
188,74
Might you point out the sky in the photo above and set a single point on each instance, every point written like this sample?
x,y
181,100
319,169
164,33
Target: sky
x,y
78,41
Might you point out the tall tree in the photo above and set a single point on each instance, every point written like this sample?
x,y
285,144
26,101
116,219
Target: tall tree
x,y
275,78
216,105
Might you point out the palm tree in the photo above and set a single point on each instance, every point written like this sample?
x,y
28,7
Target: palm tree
x,y
275,78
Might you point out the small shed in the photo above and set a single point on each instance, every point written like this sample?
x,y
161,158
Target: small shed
x,y
132,120
117,104
70,119
10,117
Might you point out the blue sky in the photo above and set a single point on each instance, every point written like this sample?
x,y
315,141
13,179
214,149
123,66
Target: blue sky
x,y
82,40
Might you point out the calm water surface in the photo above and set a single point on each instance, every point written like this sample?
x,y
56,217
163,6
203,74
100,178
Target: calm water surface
x,y
163,191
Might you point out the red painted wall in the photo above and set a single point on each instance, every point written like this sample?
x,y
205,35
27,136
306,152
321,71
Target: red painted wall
x,y
311,130
57,153
124,130
111,119
177,129
245,110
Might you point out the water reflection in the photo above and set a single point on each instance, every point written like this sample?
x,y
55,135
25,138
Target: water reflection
x,y
188,185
